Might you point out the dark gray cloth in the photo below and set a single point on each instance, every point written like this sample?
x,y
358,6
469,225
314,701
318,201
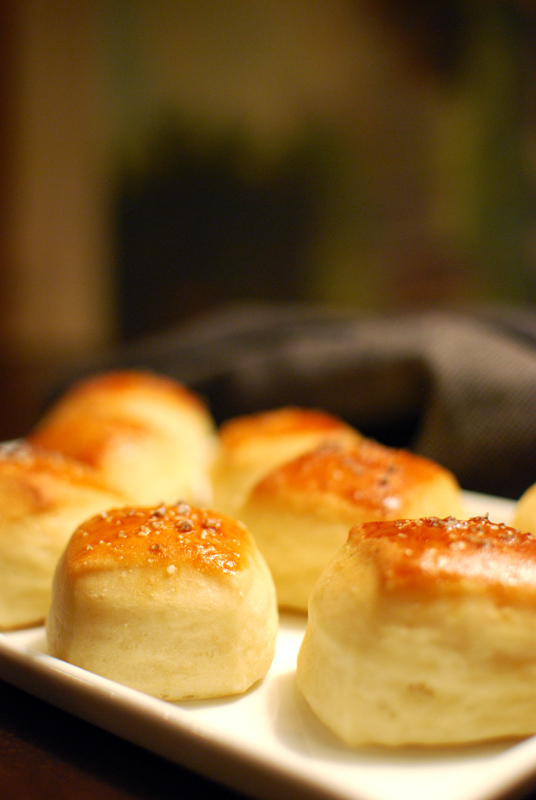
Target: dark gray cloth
x,y
457,387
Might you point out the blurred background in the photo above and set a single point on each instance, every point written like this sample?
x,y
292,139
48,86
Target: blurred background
x,y
160,158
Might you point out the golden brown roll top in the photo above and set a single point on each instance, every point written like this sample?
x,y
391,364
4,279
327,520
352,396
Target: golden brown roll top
x,y
250,446
162,537
172,600
43,497
301,512
149,436
369,479
437,555
424,632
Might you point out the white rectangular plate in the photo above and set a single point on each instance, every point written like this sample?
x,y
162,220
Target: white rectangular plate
x,y
267,742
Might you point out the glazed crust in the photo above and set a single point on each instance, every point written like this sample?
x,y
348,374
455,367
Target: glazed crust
x,y
439,555
160,538
374,481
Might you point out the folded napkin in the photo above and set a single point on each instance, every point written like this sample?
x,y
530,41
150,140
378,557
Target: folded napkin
x,y
458,387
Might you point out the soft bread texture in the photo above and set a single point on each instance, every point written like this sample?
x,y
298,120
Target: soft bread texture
x,y
43,497
424,632
171,600
300,513
252,445
524,516
150,437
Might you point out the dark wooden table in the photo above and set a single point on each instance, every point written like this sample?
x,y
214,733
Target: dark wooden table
x,y
47,754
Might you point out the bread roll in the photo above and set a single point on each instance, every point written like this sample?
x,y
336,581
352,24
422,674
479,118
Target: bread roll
x,y
43,497
424,632
300,513
524,516
251,446
149,436
171,600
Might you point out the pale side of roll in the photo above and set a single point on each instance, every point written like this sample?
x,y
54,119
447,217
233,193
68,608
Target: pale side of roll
x,y
252,445
301,512
524,516
424,632
43,497
171,600
150,436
